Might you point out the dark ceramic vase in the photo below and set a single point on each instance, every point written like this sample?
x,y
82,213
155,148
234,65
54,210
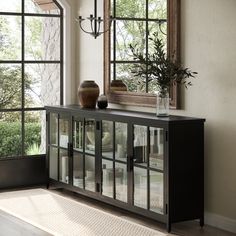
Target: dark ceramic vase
x,y
88,93
117,85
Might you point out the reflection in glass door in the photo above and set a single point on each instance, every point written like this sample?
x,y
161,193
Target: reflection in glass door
x,y
78,147
148,168
114,160
53,146
64,130
156,148
89,156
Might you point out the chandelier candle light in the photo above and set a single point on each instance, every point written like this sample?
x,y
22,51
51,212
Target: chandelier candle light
x,y
95,23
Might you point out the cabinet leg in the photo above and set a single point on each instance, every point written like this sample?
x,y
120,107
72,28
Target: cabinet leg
x,y
168,227
202,221
47,185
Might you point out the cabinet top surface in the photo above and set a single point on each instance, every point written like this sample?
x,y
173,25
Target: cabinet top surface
x,y
124,113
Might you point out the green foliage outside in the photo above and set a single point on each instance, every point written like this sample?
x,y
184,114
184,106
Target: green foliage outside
x,y
11,141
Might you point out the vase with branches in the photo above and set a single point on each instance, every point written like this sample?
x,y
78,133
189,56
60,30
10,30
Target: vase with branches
x,y
161,69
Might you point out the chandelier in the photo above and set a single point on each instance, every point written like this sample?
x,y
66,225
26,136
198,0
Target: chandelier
x,y
95,23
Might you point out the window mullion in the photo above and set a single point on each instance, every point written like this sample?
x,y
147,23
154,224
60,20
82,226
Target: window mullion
x,y
61,57
147,33
23,76
114,40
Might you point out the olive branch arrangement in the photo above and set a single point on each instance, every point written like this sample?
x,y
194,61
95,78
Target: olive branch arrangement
x,y
164,70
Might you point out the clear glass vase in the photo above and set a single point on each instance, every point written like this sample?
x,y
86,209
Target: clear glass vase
x,y
163,101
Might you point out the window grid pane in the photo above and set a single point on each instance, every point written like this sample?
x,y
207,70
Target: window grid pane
x,y
139,21
26,86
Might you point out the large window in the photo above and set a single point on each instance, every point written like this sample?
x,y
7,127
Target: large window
x,y
135,22
31,72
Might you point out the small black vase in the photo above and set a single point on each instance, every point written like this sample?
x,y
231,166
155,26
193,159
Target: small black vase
x,y
102,102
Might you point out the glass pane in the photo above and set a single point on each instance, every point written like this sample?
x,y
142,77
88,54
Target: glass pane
x,y
129,32
10,6
10,134
35,132
161,30
133,83
153,87
64,131
42,38
140,187
107,180
111,72
131,8
112,41
140,145
121,131
53,163
107,139
157,9
156,156
78,135
121,182
53,129
10,86
156,192
10,37
41,6
42,85
90,173
90,136
64,166
78,173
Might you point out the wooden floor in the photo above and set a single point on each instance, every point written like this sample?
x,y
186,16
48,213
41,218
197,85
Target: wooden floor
x,y
12,226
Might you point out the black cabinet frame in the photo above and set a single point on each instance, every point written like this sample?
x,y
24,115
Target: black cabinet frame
x,y
183,170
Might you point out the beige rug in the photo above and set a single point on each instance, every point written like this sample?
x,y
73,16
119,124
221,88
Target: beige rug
x,y
59,215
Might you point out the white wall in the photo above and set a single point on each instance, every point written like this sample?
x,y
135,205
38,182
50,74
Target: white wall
x,y
89,50
70,9
208,46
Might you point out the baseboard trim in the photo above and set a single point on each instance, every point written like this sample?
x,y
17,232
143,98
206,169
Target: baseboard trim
x,y
220,222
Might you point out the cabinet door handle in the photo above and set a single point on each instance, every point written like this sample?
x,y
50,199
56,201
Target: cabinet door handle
x,y
130,164
70,149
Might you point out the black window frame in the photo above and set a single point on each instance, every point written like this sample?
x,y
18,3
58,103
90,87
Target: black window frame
x,y
24,62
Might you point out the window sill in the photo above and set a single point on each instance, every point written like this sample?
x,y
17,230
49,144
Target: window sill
x,y
135,99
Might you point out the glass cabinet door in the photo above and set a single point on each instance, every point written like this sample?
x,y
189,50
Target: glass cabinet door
x,y
114,160
148,168
89,154
84,132
53,132
64,130
78,157
59,126
53,146
53,163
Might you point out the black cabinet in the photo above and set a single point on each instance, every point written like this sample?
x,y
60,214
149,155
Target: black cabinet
x,y
148,165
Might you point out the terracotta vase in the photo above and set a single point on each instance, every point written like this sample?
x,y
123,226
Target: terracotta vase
x,y
117,85
88,93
